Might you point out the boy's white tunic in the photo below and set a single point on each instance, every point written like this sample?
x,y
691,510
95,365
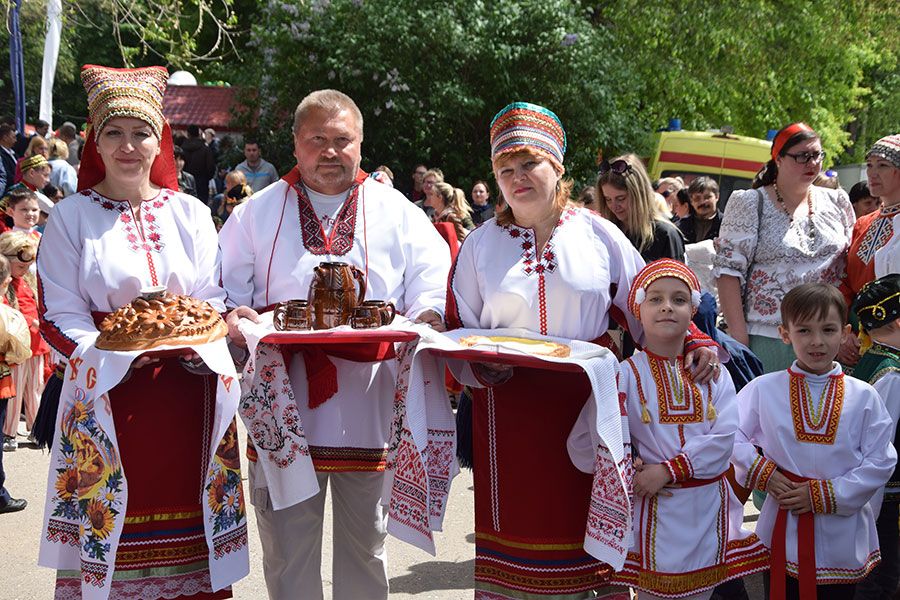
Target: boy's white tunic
x,y
692,540
270,247
849,455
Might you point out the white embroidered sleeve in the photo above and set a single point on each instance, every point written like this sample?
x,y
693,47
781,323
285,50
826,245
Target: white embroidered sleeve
x,y
857,486
738,235
624,264
467,294
751,469
65,307
427,260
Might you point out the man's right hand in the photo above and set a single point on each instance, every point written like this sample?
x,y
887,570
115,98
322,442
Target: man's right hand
x,y
232,320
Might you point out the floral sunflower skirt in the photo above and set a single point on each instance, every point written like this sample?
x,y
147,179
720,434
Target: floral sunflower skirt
x,y
163,417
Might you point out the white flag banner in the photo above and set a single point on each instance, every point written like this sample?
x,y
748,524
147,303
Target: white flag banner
x,y
51,53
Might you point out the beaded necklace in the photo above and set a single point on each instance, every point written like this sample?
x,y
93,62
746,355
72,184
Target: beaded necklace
x,y
814,415
810,230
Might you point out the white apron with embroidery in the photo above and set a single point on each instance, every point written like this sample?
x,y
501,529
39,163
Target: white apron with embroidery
x,y
421,453
85,429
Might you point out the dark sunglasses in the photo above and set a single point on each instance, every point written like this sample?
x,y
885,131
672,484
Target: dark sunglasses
x,y
619,167
25,256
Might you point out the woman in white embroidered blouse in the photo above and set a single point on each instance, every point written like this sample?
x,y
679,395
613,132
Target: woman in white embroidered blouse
x,y
781,233
127,229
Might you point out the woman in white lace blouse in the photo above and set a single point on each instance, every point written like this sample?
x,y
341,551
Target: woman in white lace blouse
x,y
781,233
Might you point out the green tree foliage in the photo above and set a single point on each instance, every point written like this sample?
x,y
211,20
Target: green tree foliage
x,y
429,77
758,64
179,34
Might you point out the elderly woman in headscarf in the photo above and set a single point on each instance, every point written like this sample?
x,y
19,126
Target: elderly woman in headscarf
x,y
144,498
555,269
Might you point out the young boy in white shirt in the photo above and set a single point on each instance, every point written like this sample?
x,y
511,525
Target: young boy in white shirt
x,y
826,449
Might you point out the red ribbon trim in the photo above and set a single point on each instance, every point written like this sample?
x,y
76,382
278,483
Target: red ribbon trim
x,y
786,134
696,482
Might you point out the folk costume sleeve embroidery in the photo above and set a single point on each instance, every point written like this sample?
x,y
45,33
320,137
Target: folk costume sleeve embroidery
x,y
833,432
872,233
773,256
690,429
887,258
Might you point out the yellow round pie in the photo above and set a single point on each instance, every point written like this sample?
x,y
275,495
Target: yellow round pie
x,y
536,347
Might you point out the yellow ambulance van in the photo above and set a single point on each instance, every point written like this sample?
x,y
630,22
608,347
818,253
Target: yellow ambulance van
x,y
732,160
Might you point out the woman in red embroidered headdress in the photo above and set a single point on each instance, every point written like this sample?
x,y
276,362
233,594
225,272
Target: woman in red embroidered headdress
x,y
126,229
544,265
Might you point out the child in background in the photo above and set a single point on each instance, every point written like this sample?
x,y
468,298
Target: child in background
x,y
878,307
826,443
20,249
14,349
23,208
687,519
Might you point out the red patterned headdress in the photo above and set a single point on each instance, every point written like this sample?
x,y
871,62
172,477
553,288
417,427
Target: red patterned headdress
x,y
664,267
133,93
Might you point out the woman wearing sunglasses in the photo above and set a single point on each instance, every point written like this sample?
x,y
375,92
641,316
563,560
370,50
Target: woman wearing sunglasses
x,y
783,232
544,265
627,199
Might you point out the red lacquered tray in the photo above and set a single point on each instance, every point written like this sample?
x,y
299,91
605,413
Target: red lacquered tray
x,y
353,336
505,358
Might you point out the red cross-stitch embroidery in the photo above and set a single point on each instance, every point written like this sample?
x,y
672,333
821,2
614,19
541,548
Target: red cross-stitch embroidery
x,y
340,240
147,237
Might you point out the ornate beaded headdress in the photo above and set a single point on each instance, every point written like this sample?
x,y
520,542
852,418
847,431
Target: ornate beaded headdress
x,y
33,162
526,126
887,148
878,302
136,93
664,267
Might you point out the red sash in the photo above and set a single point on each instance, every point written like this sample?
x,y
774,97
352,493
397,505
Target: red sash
x,y
695,482
806,551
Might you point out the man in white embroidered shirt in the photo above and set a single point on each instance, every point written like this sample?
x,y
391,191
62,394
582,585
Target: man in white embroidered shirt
x,y
326,209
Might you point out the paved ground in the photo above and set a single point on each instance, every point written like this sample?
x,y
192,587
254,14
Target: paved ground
x,y
413,574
